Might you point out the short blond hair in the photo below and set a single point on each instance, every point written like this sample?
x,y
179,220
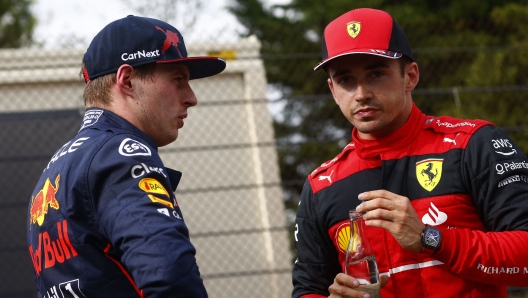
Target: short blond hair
x,y
97,91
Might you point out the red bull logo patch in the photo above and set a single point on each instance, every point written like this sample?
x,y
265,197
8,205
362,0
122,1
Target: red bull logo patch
x,y
50,252
172,39
44,199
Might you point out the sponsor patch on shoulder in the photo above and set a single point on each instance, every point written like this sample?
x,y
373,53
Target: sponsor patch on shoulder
x,y
131,147
503,147
151,185
155,199
90,118
513,179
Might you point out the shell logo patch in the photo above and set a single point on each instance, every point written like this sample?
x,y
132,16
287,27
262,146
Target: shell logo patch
x,y
152,186
342,237
429,172
343,241
353,29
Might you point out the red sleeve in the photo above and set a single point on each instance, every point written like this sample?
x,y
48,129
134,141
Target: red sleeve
x,y
313,296
496,177
499,258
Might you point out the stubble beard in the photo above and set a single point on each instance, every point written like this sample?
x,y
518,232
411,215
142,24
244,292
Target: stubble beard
x,y
372,125
369,124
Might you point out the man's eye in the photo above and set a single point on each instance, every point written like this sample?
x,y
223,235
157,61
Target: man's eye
x,y
377,74
344,80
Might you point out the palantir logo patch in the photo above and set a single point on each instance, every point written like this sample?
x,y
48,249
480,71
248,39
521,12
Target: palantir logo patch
x,y
131,147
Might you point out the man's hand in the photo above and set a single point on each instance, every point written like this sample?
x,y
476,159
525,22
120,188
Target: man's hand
x,y
344,286
395,214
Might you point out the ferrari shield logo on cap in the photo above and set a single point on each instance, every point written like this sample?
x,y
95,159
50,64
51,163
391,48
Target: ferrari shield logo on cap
x,y
354,28
429,172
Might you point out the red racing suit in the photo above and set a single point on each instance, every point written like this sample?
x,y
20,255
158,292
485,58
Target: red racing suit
x,y
465,177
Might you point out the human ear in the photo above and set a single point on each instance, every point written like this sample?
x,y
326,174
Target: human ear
x,y
124,79
331,86
412,75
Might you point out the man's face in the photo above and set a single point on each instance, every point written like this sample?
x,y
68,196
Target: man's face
x,y
372,93
163,102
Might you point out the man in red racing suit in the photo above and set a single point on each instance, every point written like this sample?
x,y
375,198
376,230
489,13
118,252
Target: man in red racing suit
x,y
465,178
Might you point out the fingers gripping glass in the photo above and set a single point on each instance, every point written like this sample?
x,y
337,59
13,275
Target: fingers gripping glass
x,y
360,261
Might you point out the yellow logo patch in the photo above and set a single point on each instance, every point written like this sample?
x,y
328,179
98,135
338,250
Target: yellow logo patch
x,y
161,201
353,29
429,172
45,198
343,238
152,186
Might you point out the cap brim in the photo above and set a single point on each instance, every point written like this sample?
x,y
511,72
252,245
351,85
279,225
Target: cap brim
x,y
385,54
200,67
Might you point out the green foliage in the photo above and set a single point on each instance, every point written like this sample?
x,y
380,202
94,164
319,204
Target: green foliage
x,y
16,23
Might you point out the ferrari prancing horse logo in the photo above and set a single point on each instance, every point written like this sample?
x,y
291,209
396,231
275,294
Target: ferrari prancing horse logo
x,y
353,29
429,172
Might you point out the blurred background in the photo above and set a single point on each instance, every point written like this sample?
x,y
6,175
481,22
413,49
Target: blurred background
x,y
269,105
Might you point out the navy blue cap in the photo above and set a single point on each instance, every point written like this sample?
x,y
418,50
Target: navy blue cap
x,y
137,41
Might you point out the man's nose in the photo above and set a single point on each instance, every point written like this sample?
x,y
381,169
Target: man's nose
x,y
189,98
363,92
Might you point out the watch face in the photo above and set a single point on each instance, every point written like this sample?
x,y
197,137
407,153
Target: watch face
x,y
432,237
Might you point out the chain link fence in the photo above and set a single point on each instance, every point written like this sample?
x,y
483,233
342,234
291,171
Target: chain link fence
x,y
242,173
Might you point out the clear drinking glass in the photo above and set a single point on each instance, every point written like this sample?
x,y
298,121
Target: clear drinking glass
x,y
360,261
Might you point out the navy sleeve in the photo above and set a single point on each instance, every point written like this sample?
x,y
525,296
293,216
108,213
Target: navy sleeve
x,y
496,172
317,263
137,212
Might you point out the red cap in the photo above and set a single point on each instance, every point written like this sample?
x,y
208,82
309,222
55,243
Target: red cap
x,y
364,31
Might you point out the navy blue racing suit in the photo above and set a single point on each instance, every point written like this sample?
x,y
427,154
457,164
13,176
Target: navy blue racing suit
x,y
103,220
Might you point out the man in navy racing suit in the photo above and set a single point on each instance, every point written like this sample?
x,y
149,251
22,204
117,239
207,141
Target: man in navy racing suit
x,y
103,220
